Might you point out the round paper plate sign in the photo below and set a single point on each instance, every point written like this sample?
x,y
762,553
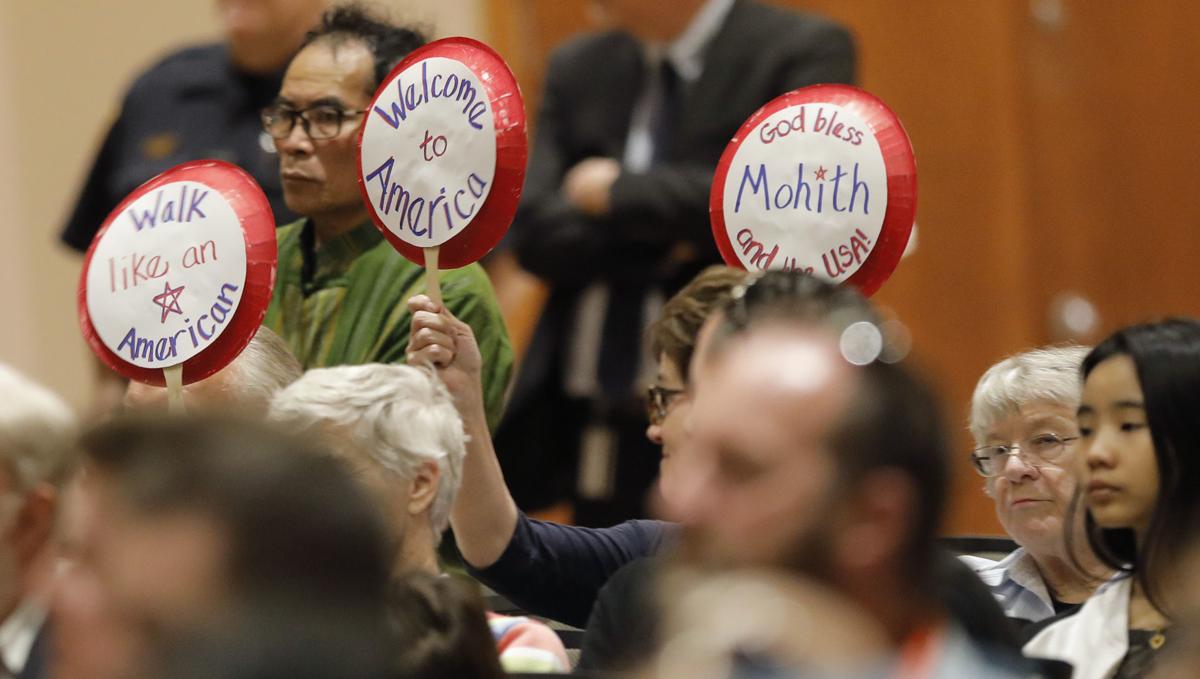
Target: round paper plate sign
x,y
180,274
442,152
820,180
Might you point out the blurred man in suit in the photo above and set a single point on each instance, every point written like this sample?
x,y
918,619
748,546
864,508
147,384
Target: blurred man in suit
x,y
615,216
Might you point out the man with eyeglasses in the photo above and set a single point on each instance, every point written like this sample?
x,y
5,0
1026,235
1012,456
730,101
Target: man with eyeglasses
x,y
1023,422
341,288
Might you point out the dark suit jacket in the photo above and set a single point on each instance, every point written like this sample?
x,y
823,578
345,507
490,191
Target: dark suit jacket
x,y
592,85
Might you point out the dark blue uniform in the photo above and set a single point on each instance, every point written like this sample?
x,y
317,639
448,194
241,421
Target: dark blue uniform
x,y
193,104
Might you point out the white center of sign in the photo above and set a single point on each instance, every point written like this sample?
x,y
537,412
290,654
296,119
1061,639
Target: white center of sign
x,y
429,151
807,190
167,275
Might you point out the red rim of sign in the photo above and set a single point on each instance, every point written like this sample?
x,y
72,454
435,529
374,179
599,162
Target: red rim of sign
x,y
898,161
490,224
246,198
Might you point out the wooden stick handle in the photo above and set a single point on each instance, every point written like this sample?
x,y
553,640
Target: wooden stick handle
x,y
433,286
174,377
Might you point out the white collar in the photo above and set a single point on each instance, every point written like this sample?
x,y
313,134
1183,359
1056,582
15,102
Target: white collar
x,y
686,51
1095,638
18,632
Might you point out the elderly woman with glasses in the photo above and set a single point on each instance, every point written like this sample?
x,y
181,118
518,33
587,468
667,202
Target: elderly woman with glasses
x,y
1023,422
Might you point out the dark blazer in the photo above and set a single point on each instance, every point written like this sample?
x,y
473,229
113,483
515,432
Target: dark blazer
x,y
592,84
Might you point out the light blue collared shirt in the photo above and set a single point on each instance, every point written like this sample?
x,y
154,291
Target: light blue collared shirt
x,y
1016,583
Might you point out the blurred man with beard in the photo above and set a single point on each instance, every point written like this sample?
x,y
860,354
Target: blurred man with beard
x,y
804,459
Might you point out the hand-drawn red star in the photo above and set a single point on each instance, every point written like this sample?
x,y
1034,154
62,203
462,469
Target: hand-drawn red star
x,y
169,301
820,174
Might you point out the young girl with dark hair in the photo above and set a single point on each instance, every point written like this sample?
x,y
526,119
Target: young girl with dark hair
x,y
1139,424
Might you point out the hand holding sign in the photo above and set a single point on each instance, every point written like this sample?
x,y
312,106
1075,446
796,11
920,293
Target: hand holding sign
x,y
442,154
179,276
821,180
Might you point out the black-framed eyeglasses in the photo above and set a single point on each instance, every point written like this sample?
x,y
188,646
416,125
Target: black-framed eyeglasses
x,y
323,121
659,400
1038,450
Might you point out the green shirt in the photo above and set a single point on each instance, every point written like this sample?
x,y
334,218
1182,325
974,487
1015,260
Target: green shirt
x,y
345,304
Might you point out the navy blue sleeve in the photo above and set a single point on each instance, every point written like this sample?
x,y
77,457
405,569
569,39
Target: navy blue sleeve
x,y
96,199
556,571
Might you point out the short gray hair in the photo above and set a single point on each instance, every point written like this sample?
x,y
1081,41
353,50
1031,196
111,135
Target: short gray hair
x,y
263,368
400,416
1044,374
37,431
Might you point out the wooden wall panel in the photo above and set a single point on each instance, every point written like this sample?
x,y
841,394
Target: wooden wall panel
x,y
1112,144
947,74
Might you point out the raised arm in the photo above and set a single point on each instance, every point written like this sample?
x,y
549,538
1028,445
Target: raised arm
x,y
548,569
484,514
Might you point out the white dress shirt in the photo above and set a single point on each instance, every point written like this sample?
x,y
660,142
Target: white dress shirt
x,y
1095,639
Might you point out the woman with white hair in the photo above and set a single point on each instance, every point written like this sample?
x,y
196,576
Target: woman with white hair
x,y
1023,422
398,429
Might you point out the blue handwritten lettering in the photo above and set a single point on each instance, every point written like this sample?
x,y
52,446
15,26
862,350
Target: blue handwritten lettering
x,y
175,210
755,185
163,348
148,218
801,192
194,206
409,98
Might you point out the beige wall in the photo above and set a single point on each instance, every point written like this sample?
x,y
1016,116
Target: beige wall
x,y
63,69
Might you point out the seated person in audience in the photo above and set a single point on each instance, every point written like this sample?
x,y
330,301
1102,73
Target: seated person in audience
x,y
397,427
340,290
1140,449
548,568
569,563
194,524
830,465
441,629
1023,422
37,435
245,386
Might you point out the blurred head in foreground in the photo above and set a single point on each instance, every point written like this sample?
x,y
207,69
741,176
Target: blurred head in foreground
x,y
195,524
811,453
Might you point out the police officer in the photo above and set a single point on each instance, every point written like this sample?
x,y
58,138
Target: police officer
x,y
200,102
